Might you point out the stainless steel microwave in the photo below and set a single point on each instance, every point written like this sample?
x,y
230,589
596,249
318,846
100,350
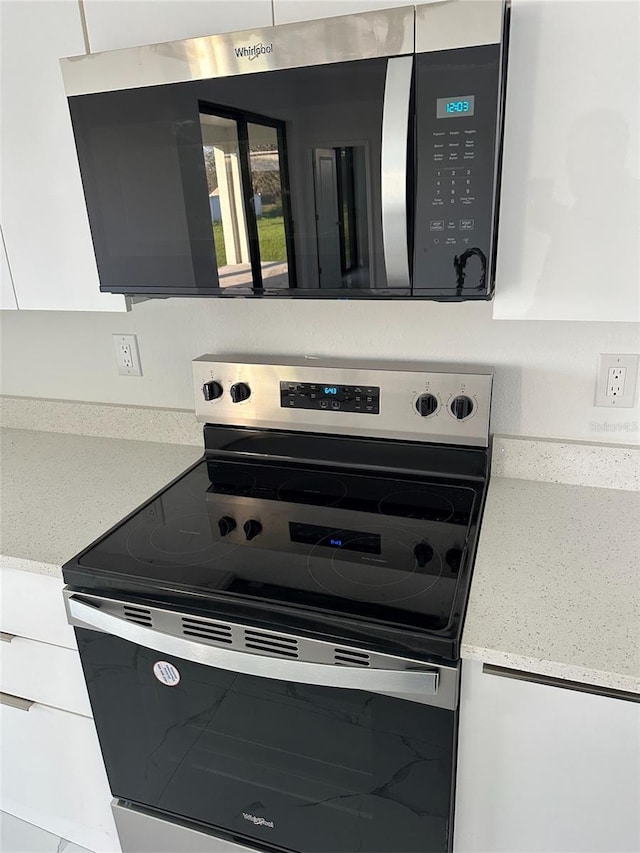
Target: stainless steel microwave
x,y
350,157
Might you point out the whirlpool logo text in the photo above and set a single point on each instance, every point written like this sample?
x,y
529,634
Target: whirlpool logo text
x,y
258,821
253,51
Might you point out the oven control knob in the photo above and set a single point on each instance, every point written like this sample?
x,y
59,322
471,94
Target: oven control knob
x,y
461,407
239,392
251,529
453,558
423,553
226,524
211,390
426,405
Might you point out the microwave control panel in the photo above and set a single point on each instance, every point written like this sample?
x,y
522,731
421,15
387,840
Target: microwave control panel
x,y
459,118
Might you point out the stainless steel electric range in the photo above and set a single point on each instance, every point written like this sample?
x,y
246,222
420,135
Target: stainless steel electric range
x,y
271,642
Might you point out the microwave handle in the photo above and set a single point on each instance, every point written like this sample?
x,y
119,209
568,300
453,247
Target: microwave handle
x,y
417,685
395,138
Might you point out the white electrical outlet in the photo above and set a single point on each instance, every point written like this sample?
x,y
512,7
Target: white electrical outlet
x,y
617,379
127,355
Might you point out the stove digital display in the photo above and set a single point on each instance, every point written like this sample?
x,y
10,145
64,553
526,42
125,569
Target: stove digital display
x,y
330,398
329,537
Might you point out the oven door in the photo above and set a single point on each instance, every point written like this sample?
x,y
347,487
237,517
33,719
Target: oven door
x,y
268,746
266,162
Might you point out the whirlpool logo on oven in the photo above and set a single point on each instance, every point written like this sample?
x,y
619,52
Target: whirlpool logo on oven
x,y
258,821
253,51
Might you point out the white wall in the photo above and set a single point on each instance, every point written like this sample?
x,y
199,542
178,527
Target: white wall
x,y
545,371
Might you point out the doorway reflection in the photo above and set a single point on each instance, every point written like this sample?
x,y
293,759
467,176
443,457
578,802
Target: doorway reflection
x,y
341,211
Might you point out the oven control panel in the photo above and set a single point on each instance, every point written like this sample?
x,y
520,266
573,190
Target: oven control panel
x,y
325,396
446,404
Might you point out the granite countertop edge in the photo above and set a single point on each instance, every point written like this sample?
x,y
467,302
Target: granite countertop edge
x,y
553,669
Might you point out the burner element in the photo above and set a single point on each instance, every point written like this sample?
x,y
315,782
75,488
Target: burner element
x,y
373,580
186,534
313,489
417,503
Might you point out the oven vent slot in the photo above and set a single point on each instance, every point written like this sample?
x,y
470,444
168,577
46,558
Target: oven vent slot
x,y
137,615
275,644
212,631
349,657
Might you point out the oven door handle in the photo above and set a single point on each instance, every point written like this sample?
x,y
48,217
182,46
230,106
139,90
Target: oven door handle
x,y
414,684
395,143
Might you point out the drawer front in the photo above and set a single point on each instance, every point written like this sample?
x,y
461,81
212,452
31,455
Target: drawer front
x,y
31,606
44,673
53,775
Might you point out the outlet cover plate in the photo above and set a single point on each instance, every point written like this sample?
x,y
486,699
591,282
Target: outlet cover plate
x,y
627,399
127,355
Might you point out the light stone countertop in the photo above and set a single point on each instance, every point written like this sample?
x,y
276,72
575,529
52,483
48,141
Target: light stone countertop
x,y
59,492
556,583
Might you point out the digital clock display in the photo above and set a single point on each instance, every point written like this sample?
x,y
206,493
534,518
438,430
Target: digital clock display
x,y
462,105
330,390
327,537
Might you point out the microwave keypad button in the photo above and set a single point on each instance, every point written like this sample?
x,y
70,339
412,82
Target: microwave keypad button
x,y
466,224
436,225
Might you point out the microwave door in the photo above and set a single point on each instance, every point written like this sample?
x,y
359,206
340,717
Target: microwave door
x,y
250,163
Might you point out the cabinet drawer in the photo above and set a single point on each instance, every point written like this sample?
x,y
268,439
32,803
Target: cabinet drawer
x,y
32,606
53,775
44,673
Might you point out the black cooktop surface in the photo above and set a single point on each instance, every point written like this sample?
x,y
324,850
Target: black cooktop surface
x,y
382,548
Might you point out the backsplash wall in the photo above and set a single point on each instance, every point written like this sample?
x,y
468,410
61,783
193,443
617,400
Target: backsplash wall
x,y
545,371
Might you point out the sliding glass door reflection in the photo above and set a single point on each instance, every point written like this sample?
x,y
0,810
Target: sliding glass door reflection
x,y
245,164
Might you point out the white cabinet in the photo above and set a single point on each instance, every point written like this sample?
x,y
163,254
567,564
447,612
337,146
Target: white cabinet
x,y
52,774
7,293
287,11
31,606
114,25
44,219
45,673
545,769
570,202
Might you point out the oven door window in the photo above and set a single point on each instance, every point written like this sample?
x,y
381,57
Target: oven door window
x,y
305,768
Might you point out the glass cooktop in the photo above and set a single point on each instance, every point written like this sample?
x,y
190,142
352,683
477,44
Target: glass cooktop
x,y
377,547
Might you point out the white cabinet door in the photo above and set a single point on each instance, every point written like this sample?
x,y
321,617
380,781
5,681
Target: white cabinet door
x,y
44,218
45,673
287,11
570,201
53,775
545,769
112,25
32,606
7,293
